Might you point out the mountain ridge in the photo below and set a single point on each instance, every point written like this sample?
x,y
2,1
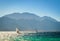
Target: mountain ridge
x,y
28,21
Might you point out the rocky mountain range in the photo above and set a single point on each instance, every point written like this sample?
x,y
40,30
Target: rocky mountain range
x,y
28,21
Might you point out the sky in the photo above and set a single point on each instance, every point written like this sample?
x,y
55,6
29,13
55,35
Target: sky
x,y
39,7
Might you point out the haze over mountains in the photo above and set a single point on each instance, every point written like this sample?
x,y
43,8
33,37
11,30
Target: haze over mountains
x,y
28,21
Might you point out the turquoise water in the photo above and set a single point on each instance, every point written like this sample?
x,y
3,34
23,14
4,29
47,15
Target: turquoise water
x,y
42,36
33,38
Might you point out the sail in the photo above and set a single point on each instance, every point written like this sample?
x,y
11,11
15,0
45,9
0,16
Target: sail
x,y
17,30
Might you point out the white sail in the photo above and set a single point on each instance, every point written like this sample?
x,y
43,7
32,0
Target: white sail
x,y
17,31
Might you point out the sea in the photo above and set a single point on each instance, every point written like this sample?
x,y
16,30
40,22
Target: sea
x,y
39,36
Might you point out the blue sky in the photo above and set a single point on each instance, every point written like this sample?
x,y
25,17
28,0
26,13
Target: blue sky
x,y
39,7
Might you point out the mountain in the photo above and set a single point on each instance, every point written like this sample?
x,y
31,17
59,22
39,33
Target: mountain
x,y
7,24
24,15
28,21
